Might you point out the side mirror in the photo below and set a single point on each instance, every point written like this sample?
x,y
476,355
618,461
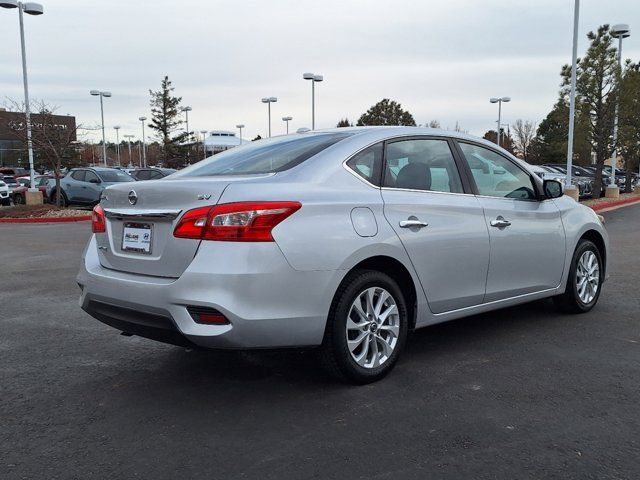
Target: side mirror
x,y
552,189
94,180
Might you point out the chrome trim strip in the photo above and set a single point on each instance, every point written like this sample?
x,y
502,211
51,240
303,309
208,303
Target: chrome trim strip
x,y
130,213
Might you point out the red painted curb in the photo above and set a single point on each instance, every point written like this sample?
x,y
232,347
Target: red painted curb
x,y
616,203
82,218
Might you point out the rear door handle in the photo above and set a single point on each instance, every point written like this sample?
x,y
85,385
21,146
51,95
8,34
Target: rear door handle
x,y
412,223
500,222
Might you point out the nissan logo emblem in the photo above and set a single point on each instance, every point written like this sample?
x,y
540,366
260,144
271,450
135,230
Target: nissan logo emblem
x,y
133,197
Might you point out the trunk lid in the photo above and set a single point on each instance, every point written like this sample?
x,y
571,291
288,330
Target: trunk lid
x,y
153,208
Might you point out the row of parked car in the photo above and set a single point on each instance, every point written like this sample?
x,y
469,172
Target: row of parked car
x,y
80,186
584,177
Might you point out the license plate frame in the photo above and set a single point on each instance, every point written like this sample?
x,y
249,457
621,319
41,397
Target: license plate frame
x,y
141,246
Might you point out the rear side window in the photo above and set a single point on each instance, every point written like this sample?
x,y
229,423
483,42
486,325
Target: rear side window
x,y
422,164
265,156
368,163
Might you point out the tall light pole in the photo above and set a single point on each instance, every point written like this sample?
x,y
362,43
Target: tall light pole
x,y
314,79
204,146
117,129
573,192
129,137
619,31
269,101
186,111
144,143
98,93
29,8
287,120
240,126
499,102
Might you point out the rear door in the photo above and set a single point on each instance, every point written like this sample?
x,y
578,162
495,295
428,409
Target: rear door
x,y
527,235
440,224
92,187
72,185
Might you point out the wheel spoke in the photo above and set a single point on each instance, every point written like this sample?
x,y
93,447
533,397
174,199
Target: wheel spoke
x,y
354,344
386,348
362,357
384,316
380,303
369,297
375,360
392,329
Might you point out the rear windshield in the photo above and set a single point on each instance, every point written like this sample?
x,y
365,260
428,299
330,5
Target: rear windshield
x,y
265,156
115,176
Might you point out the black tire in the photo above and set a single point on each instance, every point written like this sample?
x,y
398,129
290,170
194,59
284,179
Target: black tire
x,y
18,199
570,301
64,202
334,352
6,202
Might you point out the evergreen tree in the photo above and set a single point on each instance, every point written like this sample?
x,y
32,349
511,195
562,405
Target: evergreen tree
x,y
629,121
344,122
596,91
506,141
386,112
165,120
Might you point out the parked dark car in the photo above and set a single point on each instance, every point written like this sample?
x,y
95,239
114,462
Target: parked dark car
x,y
83,186
13,171
151,173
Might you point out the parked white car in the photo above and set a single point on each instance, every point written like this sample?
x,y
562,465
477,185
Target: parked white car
x,y
4,194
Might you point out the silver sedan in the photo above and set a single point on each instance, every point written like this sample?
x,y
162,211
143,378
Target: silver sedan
x,y
344,239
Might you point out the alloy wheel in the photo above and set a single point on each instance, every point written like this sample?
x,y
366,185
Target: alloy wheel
x,y
373,327
587,277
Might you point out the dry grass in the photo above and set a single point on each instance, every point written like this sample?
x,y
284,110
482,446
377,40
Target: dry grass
x,y
39,211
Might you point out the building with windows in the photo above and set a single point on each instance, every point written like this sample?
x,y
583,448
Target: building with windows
x,y
218,141
13,148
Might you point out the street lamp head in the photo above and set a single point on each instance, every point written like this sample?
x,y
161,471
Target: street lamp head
x,y
204,132
142,119
265,100
240,125
621,30
287,119
186,109
318,78
105,94
9,4
273,99
33,8
494,100
117,127
506,99
308,76
95,93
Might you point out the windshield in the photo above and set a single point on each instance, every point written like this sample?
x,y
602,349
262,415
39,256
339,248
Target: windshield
x,y
112,176
264,156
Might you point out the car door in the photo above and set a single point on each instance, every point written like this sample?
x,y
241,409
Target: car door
x,y
526,233
439,223
72,185
94,187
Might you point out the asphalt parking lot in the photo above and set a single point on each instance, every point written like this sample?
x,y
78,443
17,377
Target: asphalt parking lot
x,y
520,393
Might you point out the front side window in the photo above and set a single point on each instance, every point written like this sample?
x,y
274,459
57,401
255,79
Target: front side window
x,y
496,176
422,165
265,156
368,163
78,175
114,176
91,177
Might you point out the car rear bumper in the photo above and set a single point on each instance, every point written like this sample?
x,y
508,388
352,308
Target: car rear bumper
x,y
268,304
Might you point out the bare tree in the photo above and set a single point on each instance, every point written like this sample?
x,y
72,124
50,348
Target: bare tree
x,y
434,124
524,132
54,138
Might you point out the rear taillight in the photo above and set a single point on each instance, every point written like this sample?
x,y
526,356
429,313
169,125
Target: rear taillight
x,y
98,220
235,222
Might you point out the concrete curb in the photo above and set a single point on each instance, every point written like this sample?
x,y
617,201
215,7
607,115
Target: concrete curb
x,y
598,207
82,218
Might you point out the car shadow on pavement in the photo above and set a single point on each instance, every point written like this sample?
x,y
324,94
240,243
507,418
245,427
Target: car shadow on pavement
x,y
453,340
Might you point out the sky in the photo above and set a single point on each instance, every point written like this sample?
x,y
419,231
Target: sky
x,y
440,59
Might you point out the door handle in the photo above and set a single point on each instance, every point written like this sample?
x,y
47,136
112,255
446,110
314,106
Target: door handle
x,y
500,222
412,223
